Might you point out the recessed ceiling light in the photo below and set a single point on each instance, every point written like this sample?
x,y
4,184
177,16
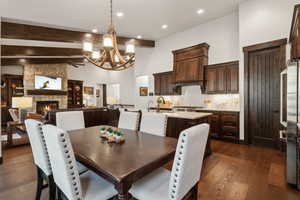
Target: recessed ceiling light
x,y
120,14
95,30
139,37
200,11
164,26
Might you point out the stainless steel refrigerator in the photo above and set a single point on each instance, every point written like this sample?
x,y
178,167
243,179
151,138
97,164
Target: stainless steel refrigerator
x,y
293,122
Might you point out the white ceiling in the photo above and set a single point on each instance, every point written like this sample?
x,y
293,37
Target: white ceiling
x,y
141,17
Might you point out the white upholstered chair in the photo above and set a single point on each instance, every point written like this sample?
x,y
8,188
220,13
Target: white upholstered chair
x,y
88,186
154,123
70,120
40,157
165,185
129,120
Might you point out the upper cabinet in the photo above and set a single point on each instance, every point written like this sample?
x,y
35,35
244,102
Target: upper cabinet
x,y
164,84
189,63
222,78
295,34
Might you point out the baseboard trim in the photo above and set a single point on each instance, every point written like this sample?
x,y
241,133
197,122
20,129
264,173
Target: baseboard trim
x,y
243,142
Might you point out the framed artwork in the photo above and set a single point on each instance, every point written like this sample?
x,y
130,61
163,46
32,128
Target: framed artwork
x,y
143,91
88,90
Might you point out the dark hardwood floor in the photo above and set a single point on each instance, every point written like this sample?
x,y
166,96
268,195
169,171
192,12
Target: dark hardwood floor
x,y
232,172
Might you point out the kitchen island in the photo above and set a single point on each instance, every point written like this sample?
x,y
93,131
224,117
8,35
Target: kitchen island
x,y
179,121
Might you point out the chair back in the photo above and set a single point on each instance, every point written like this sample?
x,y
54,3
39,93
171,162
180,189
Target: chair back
x,y
38,145
154,123
14,114
70,120
129,120
188,160
63,163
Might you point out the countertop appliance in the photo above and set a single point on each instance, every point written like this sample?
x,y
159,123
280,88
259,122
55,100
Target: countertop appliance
x,y
293,122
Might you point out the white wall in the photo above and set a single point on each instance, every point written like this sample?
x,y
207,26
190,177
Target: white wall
x,y
261,21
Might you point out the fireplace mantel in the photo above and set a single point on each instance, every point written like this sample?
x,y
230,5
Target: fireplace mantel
x,y
46,92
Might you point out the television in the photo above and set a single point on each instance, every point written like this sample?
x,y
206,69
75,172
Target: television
x,y
47,83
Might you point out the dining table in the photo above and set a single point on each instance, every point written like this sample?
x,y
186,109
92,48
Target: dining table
x,y
125,163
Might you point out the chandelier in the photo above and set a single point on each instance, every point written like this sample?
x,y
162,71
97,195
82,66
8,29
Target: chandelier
x,y
108,56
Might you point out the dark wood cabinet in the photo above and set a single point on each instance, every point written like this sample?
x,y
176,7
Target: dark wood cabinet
x,y
75,94
295,34
12,86
211,83
164,84
224,125
222,78
189,63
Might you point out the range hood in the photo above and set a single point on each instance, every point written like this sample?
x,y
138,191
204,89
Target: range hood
x,y
191,83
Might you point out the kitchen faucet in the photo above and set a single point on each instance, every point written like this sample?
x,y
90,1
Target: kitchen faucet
x,y
160,100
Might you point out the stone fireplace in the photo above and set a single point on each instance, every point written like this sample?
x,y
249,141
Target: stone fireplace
x,y
52,70
42,107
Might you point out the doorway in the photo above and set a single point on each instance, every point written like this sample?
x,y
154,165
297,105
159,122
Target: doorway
x,y
263,64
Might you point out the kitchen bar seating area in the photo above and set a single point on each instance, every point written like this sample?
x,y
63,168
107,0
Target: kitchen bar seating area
x,y
150,100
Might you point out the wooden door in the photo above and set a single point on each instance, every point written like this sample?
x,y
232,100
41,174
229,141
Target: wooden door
x,y
263,65
221,79
232,79
211,80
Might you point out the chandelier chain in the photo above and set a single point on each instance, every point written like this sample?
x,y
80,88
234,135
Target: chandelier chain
x,y
111,13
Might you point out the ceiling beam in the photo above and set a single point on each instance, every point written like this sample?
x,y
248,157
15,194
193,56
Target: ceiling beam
x,y
23,61
22,51
11,30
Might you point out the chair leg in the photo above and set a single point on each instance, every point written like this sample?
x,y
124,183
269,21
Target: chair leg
x,y
52,188
40,181
195,192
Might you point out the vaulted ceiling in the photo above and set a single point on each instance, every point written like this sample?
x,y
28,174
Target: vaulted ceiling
x,y
141,17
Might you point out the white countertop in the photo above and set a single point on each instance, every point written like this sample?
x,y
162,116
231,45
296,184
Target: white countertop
x,y
219,109
187,115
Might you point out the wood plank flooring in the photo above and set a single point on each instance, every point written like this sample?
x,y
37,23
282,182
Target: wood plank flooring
x,y
232,172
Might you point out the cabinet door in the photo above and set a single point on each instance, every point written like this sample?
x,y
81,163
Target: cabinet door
x,y
164,86
180,71
233,79
192,70
157,84
211,80
221,80
187,70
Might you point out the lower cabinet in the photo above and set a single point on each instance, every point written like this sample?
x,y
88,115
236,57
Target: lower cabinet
x,y
225,125
176,125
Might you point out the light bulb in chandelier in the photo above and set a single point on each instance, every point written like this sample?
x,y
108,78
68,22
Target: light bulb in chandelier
x,y
96,54
130,47
88,46
117,59
108,41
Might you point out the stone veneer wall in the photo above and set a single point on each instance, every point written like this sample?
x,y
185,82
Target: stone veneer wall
x,y
55,70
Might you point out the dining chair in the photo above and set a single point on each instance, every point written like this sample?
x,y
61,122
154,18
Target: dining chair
x,y
40,157
14,114
70,120
129,120
70,185
163,184
154,123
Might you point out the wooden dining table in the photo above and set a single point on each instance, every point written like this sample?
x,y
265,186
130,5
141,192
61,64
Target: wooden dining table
x,y
122,164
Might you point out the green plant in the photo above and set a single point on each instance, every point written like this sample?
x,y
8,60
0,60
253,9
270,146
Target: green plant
x,y
110,130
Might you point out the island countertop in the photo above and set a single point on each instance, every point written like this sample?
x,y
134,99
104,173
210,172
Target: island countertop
x,y
187,115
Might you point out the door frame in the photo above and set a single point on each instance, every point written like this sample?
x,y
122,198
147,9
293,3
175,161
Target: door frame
x,y
262,46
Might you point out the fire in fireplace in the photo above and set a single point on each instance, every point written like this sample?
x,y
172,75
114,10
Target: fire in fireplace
x,y
42,107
